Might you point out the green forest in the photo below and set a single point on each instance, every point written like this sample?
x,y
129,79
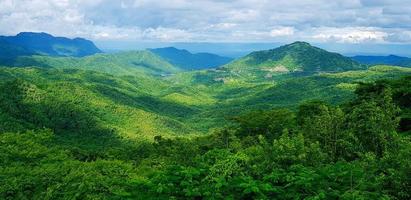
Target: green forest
x,y
295,122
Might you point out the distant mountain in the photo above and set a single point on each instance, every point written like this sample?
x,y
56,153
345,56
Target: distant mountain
x,y
384,60
298,56
28,43
8,50
189,61
122,63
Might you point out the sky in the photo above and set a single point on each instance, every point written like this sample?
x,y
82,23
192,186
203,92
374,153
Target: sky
x,y
333,23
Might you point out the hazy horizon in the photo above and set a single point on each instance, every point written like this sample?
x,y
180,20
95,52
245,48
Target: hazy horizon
x,y
235,50
350,27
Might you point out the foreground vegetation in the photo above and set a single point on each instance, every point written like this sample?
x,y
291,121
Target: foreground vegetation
x,y
358,150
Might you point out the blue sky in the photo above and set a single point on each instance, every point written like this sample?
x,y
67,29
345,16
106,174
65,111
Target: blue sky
x,y
332,23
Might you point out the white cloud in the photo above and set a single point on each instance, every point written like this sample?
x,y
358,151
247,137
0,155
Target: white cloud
x,y
343,21
282,31
399,36
242,15
166,34
349,35
6,6
222,26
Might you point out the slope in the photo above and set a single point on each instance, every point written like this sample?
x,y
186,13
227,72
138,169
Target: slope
x,y
384,60
46,44
77,103
284,90
298,56
189,61
123,63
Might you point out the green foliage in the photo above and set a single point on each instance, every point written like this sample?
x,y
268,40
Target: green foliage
x,y
268,123
32,169
324,124
298,56
74,130
123,63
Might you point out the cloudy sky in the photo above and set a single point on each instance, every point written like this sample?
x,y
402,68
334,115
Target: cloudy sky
x,y
318,21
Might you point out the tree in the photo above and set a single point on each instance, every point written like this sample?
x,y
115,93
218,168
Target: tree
x,y
271,124
373,118
321,122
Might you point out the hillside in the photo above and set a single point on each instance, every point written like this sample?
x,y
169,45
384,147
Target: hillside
x,y
75,101
384,60
46,44
123,63
232,95
8,52
189,61
74,132
298,56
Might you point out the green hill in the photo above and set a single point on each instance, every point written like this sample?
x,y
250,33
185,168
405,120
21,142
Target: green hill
x,y
298,56
124,63
75,101
233,95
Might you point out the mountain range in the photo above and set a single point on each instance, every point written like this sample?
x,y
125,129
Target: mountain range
x,y
189,61
140,78
384,60
298,56
29,43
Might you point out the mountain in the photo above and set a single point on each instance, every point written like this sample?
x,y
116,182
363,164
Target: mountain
x,y
298,56
122,63
28,43
9,50
383,60
189,61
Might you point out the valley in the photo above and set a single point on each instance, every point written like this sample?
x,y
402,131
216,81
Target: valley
x,y
136,125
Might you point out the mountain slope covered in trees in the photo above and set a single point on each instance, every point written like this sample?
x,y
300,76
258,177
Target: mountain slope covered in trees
x,y
298,56
123,63
189,61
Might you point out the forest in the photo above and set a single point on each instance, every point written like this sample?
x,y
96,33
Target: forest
x,y
295,122
356,150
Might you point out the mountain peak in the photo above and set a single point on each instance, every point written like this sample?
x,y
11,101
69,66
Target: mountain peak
x,y
33,34
300,43
296,46
297,56
169,50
